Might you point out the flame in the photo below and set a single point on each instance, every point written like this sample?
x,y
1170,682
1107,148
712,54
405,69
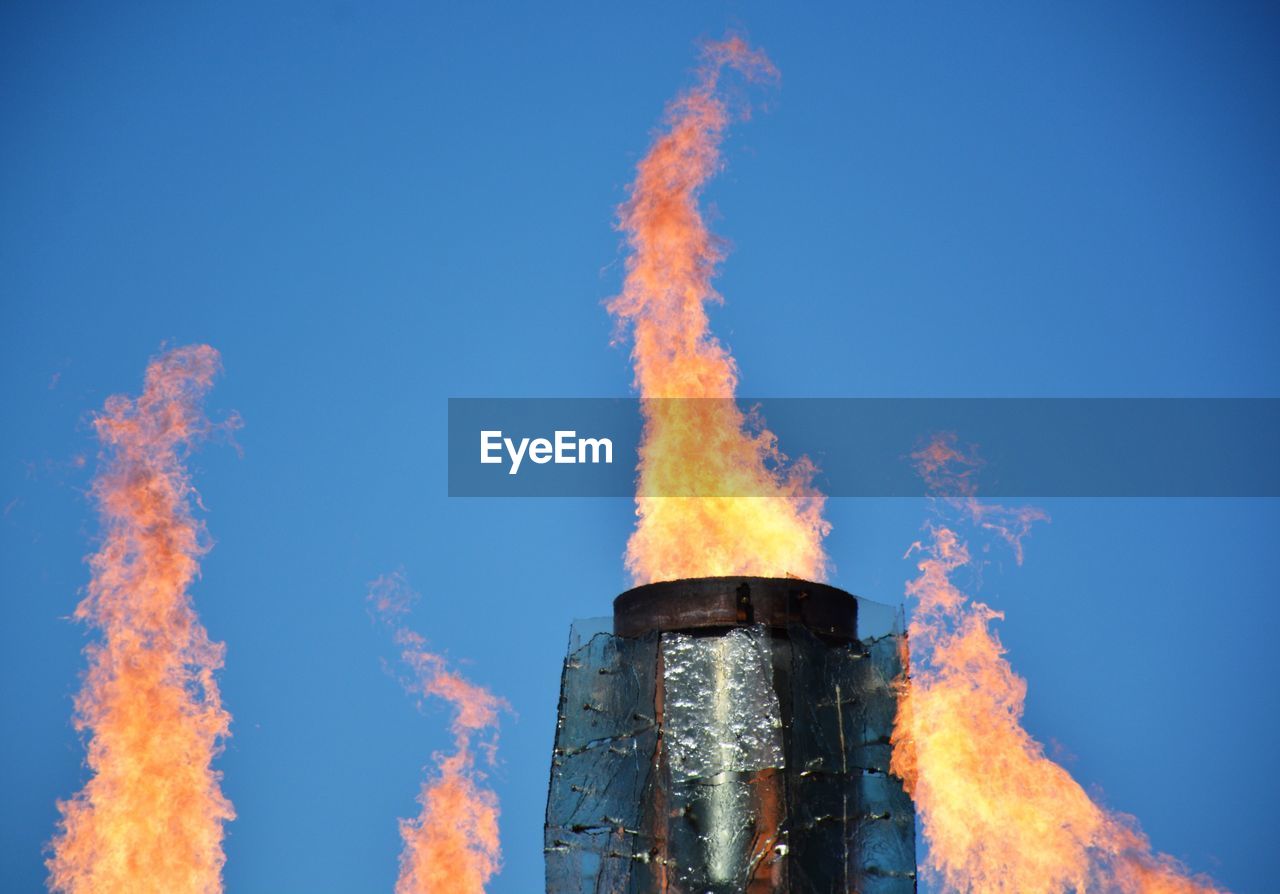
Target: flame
x,y
452,846
760,514
150,818
999,816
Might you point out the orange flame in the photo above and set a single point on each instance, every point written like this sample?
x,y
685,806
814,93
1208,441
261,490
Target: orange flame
x,y
150,819
999,816
761,515
452,846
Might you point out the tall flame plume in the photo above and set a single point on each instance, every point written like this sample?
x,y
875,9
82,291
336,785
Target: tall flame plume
x,y
452,846
150,819
757,513
999,816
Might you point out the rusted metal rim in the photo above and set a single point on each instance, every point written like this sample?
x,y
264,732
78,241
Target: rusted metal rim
x,y
700,603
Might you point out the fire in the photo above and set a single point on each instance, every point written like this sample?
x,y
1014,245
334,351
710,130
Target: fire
x,y
452,846
151,816
999,816
758,514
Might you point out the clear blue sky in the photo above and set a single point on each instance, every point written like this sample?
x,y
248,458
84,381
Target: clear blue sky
x,y
370,212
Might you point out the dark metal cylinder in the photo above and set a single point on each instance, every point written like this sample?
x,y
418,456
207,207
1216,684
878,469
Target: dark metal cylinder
x,y
731,735
727,680
720,602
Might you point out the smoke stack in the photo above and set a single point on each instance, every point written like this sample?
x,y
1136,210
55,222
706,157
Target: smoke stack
x,y
730,734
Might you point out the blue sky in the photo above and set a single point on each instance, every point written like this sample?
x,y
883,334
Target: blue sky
x,y
369,212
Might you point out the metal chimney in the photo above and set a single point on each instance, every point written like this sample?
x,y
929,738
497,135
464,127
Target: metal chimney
x,y
730,735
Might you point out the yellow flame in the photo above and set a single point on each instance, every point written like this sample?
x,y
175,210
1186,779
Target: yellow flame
x,y
999,816
150,818
452,846
761,515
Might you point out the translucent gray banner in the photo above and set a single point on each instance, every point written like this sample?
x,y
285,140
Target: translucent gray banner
x,y
1031,447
